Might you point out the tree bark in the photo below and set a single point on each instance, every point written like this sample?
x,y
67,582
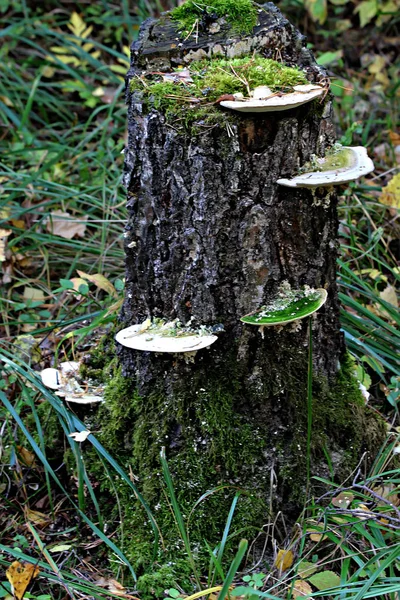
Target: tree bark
x,y
211,237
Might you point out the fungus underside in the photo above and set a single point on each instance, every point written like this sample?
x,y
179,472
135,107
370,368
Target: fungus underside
x,y
240,14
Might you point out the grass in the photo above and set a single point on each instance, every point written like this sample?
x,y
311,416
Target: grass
x,y
63,129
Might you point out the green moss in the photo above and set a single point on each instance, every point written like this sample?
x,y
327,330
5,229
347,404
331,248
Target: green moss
x,y
214,445
342,426
240,14
335,158
154,584
192,100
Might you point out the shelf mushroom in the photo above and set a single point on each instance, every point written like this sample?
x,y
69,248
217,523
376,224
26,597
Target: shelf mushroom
x,y
340,166
164,337
286,307
265,100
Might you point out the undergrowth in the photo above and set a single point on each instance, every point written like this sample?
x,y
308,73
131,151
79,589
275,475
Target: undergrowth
x,y
62,209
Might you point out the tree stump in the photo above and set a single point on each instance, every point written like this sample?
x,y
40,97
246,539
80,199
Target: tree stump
x,y
211,237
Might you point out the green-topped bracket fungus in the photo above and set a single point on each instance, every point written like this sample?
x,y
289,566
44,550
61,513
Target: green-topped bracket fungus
x,y
341,165
210,236
287,306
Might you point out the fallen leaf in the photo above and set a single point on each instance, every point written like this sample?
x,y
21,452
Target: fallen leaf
x,y
37,518
325,580
343,500
388,491
77,282
101,282
33,295
65,225
114,587
305,569
389,295
301,589
284,560
391,192
4,233
28,458
80,436
20,576
60,548
360,512
316,536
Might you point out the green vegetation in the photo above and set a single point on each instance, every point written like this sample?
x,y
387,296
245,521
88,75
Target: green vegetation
x,y
191,98
63,123
240,14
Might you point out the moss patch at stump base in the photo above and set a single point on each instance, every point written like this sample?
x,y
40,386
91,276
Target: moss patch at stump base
x,y
213,444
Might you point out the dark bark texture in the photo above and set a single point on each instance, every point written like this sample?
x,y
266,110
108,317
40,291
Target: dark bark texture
x,y
211,236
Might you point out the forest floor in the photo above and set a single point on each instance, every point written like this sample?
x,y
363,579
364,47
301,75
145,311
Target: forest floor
x,y
62,208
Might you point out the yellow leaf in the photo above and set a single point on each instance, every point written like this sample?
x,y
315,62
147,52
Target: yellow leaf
x,y
100,281
389,295
391,192
315,536
33,295
284,560
48,72
28,458
78,281
37,518
301,589
377,64
76,24
20,576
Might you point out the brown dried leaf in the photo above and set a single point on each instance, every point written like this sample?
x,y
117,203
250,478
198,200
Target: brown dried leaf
x,y
65,225
114,587
343,500
20,576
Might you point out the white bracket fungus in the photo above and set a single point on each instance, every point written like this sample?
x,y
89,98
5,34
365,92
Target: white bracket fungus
x,y
341,166
159,336
264,100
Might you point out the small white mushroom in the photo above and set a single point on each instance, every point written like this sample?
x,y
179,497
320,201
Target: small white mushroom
x,y
262,91
354,164
70,367
51,378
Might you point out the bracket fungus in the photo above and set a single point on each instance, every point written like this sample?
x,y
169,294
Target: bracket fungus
x,y
341,165
265,100
172,337
287,306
